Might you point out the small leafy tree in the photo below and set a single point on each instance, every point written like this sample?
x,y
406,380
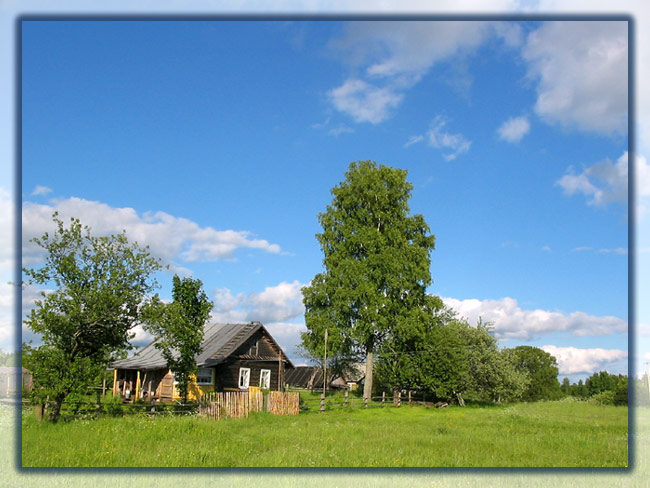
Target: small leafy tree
x,y
101,284
178,328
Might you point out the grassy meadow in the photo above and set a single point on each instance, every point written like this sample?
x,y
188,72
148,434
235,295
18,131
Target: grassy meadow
x,y
545,434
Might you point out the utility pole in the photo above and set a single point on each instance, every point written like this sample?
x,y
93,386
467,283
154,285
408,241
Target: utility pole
x,y
647,377
325,365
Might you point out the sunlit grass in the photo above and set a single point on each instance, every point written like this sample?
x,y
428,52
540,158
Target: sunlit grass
x,y
560,434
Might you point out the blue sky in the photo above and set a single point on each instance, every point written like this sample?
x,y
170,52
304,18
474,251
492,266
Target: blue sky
x,y
217,143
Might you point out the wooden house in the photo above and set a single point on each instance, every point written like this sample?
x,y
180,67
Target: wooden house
x,y
234,357
10,380
311,377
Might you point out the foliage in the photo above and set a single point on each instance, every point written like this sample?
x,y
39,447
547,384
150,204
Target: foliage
x,y
621,392
446,356
640,391
85,323
605,397
8,358
541,369
178,327
376,261
602,381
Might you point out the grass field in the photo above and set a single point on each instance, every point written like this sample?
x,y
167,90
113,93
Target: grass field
x,y
546,434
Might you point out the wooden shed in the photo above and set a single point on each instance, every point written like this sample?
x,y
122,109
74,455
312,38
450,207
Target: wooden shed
x,y
234,357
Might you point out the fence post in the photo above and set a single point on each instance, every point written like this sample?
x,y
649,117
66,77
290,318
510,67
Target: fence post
x,y
98,408
383,398
322,402
346,397
399,398
409,397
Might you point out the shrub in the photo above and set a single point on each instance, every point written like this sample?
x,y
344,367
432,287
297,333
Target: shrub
x,y
603,398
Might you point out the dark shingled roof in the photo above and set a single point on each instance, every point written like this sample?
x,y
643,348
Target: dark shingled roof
x,y
219,342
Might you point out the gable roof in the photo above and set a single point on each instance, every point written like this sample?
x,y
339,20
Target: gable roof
x,y
219,342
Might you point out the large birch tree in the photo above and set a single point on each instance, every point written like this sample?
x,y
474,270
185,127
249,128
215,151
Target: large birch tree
x,y
376,264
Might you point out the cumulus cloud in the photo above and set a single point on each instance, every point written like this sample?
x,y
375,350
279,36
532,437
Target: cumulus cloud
x,y
512,322
364,102
441,139
514,129
407,49
394,56
41,190
6,316
581,69
603,183
642,186
643,330
572,360
279,303
7,232
169,237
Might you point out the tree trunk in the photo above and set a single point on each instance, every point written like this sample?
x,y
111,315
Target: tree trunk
x,y
461,402
56,408
367,383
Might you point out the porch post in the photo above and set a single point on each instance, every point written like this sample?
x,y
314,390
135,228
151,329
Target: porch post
x,y
114,382
137,385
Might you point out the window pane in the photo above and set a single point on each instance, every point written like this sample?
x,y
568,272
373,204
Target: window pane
x,y
244,377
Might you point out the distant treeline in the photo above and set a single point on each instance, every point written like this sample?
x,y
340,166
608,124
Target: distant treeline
x,y
8,358
608,389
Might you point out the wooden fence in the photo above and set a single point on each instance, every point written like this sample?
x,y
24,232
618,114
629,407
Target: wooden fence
x,y
279,403
386,399
234,404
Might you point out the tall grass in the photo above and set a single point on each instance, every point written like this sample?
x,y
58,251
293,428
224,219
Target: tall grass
x,y
559,434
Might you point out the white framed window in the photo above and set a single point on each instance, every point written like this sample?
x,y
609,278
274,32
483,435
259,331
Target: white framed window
x,y
244,377
205,376
265,379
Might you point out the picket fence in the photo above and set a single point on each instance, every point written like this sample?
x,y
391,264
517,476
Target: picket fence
x,y
235,404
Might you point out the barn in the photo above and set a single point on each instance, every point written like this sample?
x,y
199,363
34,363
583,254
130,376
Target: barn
x,y
234,357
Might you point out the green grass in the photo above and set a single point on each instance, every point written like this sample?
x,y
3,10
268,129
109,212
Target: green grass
x,y
560,434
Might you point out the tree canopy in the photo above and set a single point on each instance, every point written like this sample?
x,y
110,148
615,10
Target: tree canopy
x,y
178,327
85,323
376,264
542,370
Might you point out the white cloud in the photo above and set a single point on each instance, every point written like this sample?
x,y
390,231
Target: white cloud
x,y
547,249
621,251
512,322
340,130
441,139
169,237
582,72
364,102
408,49
278,303
642,186
398,54
514,129
603,183
41,190
6,316
6,232
643,330
414,140
572,360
